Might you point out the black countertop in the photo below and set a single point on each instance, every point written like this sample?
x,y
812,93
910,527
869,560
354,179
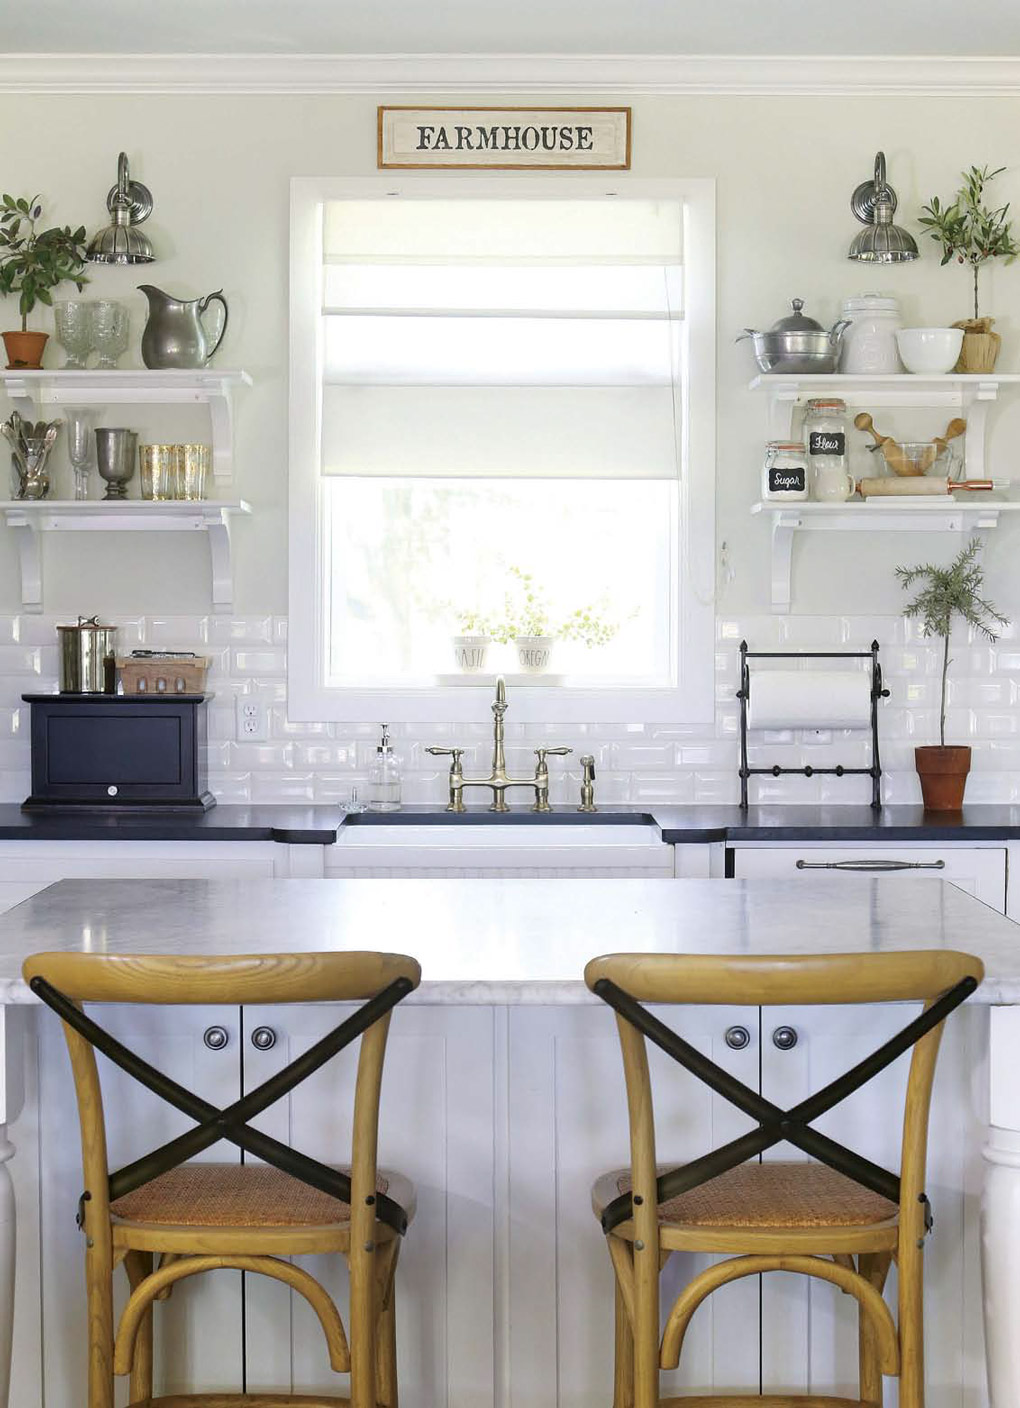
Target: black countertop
x,y
310,826
679,825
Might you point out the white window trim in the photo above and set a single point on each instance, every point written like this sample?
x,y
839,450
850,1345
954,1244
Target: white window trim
x,y
693,703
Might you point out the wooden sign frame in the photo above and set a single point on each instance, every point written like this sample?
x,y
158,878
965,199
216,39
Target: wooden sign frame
x,y
462,139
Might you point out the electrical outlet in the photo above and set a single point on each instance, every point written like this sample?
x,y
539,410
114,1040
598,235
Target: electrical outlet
x,y
252,720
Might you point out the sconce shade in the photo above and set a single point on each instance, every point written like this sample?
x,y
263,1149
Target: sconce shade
x,y
121,242
880,242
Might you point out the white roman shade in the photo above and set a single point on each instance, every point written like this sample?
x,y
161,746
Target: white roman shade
x,y
502,338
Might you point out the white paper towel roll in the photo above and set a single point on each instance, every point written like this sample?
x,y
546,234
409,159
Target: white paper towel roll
x,y
815,699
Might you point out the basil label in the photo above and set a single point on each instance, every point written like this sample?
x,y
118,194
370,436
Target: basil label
x,y
788,480
826,442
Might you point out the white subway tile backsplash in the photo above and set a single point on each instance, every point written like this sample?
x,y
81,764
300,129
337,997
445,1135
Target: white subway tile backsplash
x,y
321,761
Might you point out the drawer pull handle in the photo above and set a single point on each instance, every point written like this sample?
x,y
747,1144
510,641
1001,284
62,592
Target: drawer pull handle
x,y
877,866
736,1038
216,1038
784,1038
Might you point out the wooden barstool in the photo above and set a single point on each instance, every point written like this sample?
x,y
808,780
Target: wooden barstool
x,y
841,1219
166,1218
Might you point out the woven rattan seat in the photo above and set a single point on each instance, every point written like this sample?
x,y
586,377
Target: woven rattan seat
x,y
774,1194
237,1195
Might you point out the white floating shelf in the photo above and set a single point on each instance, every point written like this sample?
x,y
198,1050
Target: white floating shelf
x,y
970,394
909,514
140,387
30,517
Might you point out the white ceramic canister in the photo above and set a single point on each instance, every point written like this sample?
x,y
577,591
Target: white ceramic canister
x,y
868,346
784,474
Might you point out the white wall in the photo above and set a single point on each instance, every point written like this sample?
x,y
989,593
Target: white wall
x,y
219,170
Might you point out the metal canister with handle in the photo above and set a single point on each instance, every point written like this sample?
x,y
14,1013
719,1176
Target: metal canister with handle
x,y
88,657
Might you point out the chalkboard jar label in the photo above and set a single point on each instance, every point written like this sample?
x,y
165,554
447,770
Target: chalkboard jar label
x,y
787,479
827,442
785,471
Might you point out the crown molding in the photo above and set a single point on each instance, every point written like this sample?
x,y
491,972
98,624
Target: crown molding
x,y
558,75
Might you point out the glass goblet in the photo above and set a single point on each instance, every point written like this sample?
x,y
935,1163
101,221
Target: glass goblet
x,y
79,421
73,319
109,332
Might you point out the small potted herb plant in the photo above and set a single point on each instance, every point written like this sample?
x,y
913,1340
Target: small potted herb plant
x,y
973,233
31,264
526,621
471,647
948,593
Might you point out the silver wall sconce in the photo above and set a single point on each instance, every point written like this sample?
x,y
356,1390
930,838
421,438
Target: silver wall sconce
x,y
874,204
121,242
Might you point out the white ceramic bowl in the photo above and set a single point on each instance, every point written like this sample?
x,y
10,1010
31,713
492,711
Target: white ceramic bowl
x,y
929,351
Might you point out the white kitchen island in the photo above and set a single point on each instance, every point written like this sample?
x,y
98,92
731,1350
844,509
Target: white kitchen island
x,y
503,1098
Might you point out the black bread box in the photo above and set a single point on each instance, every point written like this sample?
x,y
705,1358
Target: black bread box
x,y
126,752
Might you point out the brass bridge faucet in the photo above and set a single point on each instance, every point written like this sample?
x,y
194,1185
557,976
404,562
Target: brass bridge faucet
x,y
498,780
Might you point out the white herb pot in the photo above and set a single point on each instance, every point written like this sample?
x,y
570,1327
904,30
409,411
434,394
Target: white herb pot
x,y
533,653
471,653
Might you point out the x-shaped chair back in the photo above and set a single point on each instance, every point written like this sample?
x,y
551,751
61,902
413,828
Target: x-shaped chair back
x,y
380,981
940,979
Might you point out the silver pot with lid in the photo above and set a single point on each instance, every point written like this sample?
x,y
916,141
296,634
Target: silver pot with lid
x,y
88,653
797,344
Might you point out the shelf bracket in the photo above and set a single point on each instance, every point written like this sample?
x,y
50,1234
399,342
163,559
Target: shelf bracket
x,y
221,415
26,528
784,525
218,529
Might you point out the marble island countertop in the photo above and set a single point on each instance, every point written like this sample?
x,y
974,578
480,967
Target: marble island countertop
x,y
496,942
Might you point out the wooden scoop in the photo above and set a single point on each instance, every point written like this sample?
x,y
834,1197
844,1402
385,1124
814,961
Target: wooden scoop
x,y
891,452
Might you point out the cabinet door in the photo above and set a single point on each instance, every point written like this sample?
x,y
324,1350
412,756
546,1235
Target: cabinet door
x,y
198,1330
977,870
809,1330
436,1127
567,1122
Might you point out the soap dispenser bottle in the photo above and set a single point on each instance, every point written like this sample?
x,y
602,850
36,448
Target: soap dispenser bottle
x,y
384,777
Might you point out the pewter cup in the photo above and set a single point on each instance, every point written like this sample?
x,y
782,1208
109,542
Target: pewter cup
x,y
115,456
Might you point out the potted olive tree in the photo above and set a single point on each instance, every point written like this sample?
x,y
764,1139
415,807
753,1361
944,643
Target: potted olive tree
x,y
973,233
31,264
948,593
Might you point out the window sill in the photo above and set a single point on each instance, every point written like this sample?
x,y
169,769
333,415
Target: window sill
x,y
535,702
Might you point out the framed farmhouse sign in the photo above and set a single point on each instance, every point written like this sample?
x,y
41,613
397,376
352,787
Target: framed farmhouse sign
x,y
508,139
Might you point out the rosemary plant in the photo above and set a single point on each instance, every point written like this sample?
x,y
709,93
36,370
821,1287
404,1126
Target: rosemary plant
x,y
950,592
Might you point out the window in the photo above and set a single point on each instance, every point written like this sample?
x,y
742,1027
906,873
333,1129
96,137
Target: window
x,y
502,392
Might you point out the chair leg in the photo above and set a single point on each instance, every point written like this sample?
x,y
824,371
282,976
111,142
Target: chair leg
x,y
138,1265
99,1286
874,1267
910,1266
386,1335
623,1371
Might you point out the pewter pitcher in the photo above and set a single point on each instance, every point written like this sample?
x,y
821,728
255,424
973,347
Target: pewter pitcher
x,y
174,335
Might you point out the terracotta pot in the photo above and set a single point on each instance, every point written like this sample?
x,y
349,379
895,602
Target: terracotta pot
x,y
980,346
943,774
24,350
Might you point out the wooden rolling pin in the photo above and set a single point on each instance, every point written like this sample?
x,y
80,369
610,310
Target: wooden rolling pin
x,y
923,484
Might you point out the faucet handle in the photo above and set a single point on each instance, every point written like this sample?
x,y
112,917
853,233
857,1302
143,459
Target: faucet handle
x,y
455,753
542,753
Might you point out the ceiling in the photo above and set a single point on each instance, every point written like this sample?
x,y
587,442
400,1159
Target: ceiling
x,y
666,27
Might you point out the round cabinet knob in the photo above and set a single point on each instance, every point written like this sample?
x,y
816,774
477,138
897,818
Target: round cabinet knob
x,y
263,1038
737,1038
112,791
784,1038
215,1038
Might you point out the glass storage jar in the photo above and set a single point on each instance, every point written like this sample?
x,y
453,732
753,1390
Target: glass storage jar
x,y
784,475
825,434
